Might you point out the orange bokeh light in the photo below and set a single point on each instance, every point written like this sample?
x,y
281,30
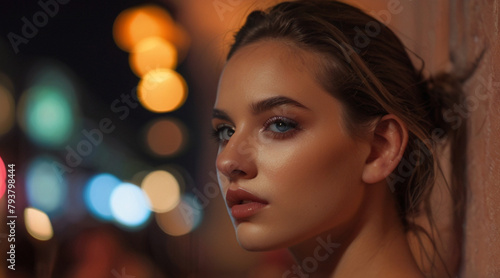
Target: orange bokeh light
x,y
162,90
152,53
38,224
166,137
136,24
162,189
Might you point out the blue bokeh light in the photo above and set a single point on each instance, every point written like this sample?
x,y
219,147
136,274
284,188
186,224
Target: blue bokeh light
x,y
130,205
97,195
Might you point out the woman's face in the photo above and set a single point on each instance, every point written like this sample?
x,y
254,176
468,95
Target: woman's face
x,y
287,169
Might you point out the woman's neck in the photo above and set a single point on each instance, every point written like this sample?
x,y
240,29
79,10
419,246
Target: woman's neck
x,y
373,245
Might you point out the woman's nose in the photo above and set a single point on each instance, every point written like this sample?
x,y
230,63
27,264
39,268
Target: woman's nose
x,y
237,159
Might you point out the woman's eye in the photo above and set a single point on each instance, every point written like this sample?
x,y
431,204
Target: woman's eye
x,y
223,133
281,125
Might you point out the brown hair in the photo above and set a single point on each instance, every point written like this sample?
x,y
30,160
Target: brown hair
x,y
374,76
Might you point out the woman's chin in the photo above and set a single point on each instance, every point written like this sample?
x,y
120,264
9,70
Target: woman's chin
x,y
252,238
256,245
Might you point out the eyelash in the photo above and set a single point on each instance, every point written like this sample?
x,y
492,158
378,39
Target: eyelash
x,y
276,135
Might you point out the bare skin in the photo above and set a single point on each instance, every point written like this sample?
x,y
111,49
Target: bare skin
x,y
283,141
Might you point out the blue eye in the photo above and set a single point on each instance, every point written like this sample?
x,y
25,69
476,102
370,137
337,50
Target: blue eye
x,y
281,125
223,133
276,127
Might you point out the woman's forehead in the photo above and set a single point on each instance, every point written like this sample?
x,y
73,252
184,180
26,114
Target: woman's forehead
x,y
262,71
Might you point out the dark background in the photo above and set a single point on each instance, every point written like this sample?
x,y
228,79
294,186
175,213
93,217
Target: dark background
x,y
79,38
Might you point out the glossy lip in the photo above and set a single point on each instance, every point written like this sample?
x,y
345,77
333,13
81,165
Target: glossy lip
x,y
243,204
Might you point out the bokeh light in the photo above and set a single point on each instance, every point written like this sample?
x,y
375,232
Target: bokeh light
x,y
38,224
135,24
47,116
162,90
97,195
152,53
45,186
7,110
130,205
183,219
166,137
162,189
3,177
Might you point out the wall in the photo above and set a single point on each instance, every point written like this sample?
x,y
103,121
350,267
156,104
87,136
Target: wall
x,y
474,28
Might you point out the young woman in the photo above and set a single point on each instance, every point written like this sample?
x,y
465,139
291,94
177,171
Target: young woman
x,y
326,144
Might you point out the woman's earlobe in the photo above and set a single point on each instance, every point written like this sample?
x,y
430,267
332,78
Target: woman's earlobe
x,y
387,147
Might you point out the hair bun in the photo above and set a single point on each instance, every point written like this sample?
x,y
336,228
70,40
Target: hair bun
x,y
445,92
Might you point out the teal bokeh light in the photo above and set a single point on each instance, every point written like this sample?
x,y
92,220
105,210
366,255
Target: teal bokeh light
x,y
97,195
48,109
48,115
46,188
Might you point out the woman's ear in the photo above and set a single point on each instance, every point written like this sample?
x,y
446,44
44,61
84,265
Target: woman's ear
x,y
387,147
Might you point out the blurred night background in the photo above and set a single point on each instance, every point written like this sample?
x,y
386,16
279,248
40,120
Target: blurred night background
x,y
105,114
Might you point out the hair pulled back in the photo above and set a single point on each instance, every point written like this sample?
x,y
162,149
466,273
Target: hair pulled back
x,y
366,67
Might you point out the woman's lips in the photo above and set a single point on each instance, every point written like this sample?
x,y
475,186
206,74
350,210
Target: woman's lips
x,y
243,204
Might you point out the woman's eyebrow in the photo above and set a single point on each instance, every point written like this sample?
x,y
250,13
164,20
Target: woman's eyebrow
x,y
219,114
270,103
260,107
